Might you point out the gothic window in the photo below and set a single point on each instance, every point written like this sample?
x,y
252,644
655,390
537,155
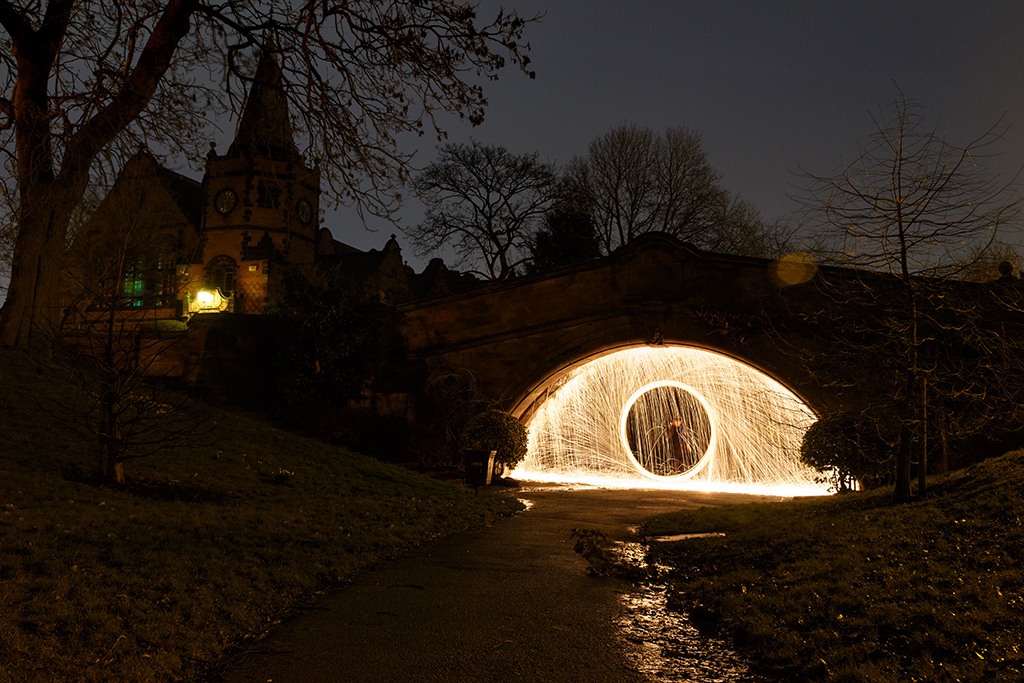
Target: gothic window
x,y
134,288
220,273
149,281
165,289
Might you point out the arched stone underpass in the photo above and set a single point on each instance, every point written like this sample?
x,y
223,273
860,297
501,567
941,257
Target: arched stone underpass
x,y
669,417
519,339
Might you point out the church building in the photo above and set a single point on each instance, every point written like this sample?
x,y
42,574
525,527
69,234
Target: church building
x,y
261,205
224,244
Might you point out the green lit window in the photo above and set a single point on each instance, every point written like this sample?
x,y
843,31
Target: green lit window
x,y
135,283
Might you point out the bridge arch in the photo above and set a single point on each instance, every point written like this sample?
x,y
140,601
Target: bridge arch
x,y
550,369
520,338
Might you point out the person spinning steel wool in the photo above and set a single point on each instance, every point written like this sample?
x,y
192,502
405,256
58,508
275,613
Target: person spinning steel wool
x,y
680,453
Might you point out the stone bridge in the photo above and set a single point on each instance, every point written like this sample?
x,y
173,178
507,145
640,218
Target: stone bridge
x,y
520,337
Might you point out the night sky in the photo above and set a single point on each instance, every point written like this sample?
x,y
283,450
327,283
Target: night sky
x,y
771,86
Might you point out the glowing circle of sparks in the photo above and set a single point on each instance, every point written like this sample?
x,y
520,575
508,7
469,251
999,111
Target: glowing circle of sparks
x,y
754,425
624,420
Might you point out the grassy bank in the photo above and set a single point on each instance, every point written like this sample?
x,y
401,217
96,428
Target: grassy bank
x,y
856,588
201,551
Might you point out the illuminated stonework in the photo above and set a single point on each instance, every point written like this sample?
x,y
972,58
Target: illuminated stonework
x,y
739,429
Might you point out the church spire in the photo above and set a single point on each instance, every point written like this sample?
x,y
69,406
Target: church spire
x,y
265,129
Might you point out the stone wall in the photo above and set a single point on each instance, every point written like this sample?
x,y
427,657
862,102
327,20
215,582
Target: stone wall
x,y
519,337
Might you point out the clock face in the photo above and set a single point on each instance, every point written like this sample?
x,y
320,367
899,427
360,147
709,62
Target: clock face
x,y
225,201
305,211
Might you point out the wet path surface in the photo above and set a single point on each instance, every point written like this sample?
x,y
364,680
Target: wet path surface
x,y
511,602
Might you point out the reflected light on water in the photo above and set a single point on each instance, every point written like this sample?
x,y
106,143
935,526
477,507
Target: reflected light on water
x,y
671,418
663,645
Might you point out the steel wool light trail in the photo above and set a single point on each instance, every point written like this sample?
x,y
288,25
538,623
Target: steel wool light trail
x,y
671,417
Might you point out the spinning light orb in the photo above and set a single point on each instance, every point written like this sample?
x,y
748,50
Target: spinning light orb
x,y
644,451
671,417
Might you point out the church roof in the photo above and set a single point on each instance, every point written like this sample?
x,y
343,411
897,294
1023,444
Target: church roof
x,y
357,264
187,193
265,129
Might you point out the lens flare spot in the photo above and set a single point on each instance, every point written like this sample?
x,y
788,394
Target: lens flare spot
x,y
793,269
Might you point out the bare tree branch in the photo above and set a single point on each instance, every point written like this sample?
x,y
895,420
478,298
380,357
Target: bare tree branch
x,y
98,80
484,202
910,214
635,182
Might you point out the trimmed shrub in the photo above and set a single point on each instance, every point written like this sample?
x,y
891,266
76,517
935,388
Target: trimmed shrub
x,y
849,448
496,430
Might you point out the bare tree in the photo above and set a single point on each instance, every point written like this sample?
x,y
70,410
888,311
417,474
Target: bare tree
x,y
116,345
452,397
483,202
902,220
84,81
634,182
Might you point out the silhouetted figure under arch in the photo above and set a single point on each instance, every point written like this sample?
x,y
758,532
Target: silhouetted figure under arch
x,y
680,453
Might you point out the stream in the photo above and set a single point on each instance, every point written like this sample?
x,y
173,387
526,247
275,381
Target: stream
x,y
664,646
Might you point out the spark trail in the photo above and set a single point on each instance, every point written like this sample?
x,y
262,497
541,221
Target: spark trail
x,y
671,417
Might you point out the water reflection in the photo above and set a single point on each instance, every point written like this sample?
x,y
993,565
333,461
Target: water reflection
x,y
664,646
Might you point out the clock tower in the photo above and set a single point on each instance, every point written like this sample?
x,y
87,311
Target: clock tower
x,y
260,202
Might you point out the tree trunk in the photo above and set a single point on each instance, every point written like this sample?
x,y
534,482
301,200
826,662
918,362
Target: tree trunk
x,y
922,467
111,446
107,427
46,197
944,459
33,304
902,491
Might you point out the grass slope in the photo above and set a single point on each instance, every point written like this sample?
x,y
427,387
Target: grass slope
x,y
856,588
204,551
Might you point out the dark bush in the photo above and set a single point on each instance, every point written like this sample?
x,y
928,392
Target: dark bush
x,y
496,430
849,448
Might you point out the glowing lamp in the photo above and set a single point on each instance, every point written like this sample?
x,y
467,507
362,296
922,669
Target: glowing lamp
x,y
208,301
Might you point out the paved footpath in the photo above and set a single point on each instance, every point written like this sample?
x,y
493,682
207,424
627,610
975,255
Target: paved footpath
x,y
511,602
